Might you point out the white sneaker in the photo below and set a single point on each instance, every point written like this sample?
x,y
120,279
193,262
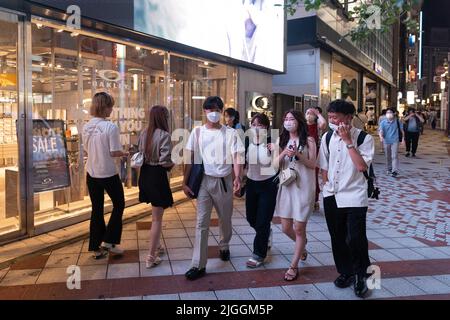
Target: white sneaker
x,y
112,248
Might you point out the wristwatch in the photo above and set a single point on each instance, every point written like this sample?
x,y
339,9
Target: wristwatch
x,y
349,146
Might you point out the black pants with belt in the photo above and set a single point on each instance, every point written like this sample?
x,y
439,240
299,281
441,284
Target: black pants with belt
x,y
98,230
347,227
260,200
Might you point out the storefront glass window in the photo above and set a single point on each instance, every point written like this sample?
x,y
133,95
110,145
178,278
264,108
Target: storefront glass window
x,y
344,83
370,94
9,155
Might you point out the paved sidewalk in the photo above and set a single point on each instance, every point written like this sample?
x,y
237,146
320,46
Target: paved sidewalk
x,y
408,230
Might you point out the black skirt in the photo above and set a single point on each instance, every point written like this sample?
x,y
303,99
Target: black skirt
x,y
154,186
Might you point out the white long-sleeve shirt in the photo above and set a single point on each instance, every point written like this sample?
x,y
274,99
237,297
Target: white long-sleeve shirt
x,y
345,182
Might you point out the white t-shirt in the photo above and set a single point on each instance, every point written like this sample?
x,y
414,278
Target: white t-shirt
x,y
100,137
217,147
259,161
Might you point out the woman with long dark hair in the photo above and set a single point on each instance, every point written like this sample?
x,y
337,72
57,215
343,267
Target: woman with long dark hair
x,y
295,200
154,187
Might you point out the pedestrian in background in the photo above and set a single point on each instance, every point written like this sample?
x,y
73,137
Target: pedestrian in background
x,y
232,119
391,135
412,131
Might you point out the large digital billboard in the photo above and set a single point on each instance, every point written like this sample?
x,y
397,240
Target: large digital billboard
x,y
247,30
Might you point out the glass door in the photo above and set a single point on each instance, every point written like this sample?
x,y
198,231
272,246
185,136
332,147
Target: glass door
x,y
12,204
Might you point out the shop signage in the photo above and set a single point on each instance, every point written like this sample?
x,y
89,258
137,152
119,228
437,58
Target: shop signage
x,y
378,69
50,162
437,79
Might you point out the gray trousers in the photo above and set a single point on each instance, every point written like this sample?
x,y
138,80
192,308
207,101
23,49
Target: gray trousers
x,y
391,154
212,194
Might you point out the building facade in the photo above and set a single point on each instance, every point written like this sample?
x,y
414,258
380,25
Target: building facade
x,y
322,61
144,53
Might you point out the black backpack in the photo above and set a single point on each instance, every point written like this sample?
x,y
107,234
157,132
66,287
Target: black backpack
x,y
372,190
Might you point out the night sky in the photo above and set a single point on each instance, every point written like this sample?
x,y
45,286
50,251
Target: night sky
x,y
436,13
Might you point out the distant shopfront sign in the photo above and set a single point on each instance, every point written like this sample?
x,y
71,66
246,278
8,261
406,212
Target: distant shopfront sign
x,y
50,162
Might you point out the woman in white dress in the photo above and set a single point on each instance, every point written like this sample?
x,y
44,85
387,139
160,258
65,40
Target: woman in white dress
x,y
295,201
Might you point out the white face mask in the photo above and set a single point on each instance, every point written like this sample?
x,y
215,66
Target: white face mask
x,y
290,126
390,116
214,117
333,126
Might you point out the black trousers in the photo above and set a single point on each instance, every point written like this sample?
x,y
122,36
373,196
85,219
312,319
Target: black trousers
x,y
98,230
347,227
412,139
260,203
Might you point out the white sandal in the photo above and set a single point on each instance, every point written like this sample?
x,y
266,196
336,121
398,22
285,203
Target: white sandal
x,y
152,261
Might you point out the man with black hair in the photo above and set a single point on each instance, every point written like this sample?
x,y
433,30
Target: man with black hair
x,y
344,159
413,121
221,153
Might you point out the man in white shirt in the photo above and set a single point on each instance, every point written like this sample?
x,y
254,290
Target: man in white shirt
x,y
343,164
221,151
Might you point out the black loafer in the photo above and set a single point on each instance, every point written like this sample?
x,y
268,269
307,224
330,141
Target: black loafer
x,y
344,281
194,273
360,286
224,255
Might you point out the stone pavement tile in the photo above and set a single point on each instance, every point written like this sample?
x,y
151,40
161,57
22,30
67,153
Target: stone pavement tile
x,y
53,275
383,255
190,232
174,233
143,244
310,261
325,259
410,242
20,277
316,246
93,272
444,278
174,296
319,235
181,266
143,234
217,265
379,293
240,250
304,292
85,247
3,273
372,234
444,250
400,287
129,234
386,243
86,259
244,230
34,262
61,260
212,241
189,223
123,270
391,233
247,238
178,243
430,253
163,269
174,224
276,262
329,290
70,248
180,253
129,227
129,244
234,294
285,248
313,226
269,293
406,254
429,284
235,240
201,295
280,238
239,222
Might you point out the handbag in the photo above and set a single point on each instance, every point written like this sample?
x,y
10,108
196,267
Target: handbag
x,y
137,160
196,174
289,175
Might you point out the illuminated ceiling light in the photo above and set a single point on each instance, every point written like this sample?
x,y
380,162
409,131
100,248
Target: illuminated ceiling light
x,y
154,51
86,69
39,25
58,66
138,48
121,51
50,65
74,34
42,63
206,63
60,30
